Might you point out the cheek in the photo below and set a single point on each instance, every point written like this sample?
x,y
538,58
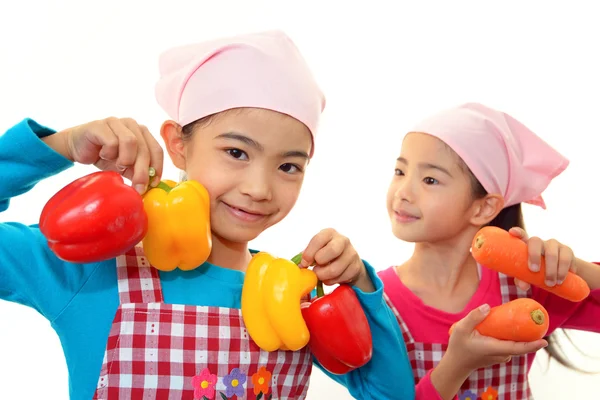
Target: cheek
x,y
216,179
390,196
287,195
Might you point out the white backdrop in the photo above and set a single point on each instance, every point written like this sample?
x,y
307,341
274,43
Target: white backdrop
x,y
382,67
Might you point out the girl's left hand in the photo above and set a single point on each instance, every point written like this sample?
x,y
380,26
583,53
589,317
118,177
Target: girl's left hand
x,y
335,260
558,257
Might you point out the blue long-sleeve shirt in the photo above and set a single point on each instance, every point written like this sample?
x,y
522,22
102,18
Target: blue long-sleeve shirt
x,y
80,300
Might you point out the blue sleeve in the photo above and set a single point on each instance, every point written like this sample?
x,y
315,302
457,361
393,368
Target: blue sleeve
x,y
388,375
30,274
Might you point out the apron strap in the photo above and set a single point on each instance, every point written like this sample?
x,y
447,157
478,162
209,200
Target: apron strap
x,y
509,290
408,338
138,281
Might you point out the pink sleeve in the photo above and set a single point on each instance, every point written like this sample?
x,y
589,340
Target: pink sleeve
x,y
426,391
583,316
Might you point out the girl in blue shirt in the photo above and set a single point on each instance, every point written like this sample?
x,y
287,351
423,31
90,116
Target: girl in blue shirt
x,y
243,116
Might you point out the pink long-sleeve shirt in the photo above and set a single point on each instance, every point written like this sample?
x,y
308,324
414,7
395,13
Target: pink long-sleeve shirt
x,y
430,325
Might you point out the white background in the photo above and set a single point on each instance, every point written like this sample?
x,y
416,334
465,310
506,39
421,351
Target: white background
x,y
382,67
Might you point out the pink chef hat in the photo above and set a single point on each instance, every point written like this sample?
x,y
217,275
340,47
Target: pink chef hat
x,y
259,70
504,155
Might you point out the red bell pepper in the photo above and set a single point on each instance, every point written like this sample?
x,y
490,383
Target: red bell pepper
x,y
94,218
340,337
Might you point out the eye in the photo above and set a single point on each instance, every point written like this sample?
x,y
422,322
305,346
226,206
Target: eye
x,y
398,172
237,154
289,168
430,181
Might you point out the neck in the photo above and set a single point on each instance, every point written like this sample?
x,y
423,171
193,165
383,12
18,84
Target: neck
x,y
229,254
444,265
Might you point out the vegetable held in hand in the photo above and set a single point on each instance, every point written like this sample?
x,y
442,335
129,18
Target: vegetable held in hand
x,y
497,249
179,233
271,297
340,336
94,218
520,320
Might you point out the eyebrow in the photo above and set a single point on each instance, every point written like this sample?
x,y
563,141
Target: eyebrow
x,y
427,166
241,138
253,143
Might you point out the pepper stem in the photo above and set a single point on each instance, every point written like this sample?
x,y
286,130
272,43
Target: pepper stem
x,y
320,291
164,186
297,258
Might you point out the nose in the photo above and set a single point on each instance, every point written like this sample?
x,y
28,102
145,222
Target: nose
x,y
404,190
257,185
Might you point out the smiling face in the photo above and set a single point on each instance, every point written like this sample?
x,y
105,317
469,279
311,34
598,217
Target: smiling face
x,y
252,163
430,197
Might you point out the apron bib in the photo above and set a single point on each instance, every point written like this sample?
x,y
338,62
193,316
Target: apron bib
x,y
171,351
501,381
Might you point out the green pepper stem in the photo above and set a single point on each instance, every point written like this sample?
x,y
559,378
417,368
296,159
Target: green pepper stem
x,y
297,258
320,291
164,187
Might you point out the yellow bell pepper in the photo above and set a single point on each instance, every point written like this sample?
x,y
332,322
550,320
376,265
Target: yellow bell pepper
x,y
271,297
178,225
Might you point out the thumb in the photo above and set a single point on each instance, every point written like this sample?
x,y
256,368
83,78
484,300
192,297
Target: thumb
x,y
474,318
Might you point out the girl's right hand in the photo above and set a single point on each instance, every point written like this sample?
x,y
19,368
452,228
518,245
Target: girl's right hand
x,y
113,144
471,351
468,351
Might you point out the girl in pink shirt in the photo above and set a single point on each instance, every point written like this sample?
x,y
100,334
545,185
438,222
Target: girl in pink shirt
x,y
459,170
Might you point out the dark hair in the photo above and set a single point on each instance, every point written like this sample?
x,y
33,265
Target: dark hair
x,y
188,130
510,217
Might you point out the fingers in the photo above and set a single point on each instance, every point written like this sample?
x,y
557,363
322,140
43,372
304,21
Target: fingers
x,y
101,135
558,259
319,241
519,232
134,152
566,261
332,250
502,348
551,256
535,248
522,284
125,131
468,324
344,269
334,258
156,155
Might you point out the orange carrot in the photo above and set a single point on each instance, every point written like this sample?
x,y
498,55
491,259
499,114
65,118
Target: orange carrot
x,y
520,320
497,249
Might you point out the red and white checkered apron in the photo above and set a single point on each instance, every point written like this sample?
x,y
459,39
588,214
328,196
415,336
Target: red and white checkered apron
x,y
507,381
170,351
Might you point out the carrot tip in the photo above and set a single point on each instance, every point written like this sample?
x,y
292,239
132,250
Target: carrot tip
x,y
479,241
538,316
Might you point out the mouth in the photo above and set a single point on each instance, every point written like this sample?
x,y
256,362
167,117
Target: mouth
x,y
405,217
245,214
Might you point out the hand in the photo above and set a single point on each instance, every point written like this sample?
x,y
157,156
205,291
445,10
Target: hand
x,y
468,351
113,144
335,260
559,258
471,351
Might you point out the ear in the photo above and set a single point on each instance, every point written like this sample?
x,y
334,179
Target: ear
x,y
171,133
486,209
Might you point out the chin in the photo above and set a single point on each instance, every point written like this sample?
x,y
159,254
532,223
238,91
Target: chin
x,y
407,235
234,234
